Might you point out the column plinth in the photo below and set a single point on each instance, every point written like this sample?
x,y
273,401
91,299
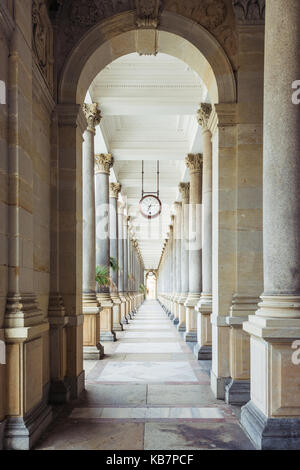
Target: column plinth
x,y
272,417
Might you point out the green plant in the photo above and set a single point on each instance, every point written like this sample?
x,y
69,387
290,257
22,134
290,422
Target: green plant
x,y
102,276
114,264
143,289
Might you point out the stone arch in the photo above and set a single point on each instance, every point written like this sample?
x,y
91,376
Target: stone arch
x,y
177,36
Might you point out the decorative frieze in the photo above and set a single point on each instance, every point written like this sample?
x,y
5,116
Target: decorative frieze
x,y
194,162
92,114
103,163
147,13
42,40
114,190
203,114
249,11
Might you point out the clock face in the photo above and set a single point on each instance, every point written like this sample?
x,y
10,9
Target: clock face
x,y
150,206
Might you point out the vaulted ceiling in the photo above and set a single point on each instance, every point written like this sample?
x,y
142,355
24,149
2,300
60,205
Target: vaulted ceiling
x,y
149,106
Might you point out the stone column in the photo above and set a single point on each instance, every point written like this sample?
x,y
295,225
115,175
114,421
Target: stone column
x,y
126,282
178,237
114,190
272,417
103,163
121,208
202,349
194,163
170,267
92,348
184,189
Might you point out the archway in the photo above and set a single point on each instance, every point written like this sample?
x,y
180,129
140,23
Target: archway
x,y
104,43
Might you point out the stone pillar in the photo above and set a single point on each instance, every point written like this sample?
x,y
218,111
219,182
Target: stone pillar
x,y
170,267
125,273
114,190
272,417
184,189
92,349
202,349
178,237
103,163
195,165
122,292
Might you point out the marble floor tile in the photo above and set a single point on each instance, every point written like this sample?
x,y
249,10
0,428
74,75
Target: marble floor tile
x,y
147,372
148,348
195,436
105,394
180,395
147,335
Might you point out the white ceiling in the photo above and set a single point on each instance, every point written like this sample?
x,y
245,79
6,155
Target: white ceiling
x,y
149,106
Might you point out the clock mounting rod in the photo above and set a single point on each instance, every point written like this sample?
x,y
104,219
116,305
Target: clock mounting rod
x,y
158,174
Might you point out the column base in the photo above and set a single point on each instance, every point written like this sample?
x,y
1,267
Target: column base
x,y
181,327
218,385
76,385
93,353
108,336
176,321
270,433
22,433
203,353
171,316
237,392
190,337
59,393
118,327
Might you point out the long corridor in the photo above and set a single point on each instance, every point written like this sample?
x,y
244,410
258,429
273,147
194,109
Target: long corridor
x,y
148,393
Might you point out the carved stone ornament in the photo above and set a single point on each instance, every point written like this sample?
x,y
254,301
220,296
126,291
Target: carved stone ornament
x,y
114,190
209,13
194,161
92,114
42,40
103,163
184,189
249,11
147,13
203,114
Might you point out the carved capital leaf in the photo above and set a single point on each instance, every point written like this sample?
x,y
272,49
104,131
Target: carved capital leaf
x,y
203,114
147,13
184,189
194,162
249,11
92,114
114,190
103,163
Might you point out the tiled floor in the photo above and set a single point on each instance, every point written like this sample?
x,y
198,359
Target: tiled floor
x,y
148,393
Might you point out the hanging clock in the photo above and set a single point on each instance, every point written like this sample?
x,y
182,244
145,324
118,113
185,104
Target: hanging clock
x,y
150,204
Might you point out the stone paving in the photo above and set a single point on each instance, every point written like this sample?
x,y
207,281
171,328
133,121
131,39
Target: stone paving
x,y
148,393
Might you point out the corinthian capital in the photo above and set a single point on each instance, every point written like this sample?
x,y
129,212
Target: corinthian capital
x,y
114,190
103,163
194,162
92,114
184,189
203,114
249,11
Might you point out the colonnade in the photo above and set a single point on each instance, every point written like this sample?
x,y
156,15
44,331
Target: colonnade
x,y
109,244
